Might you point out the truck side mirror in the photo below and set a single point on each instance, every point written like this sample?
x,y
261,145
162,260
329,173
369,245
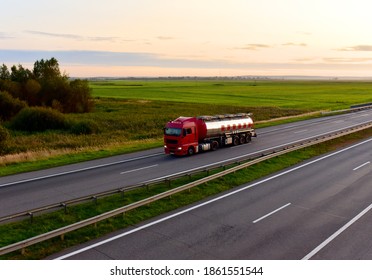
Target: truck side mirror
x,y
184,132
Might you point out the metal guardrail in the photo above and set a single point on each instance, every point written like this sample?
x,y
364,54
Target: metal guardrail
x,y
352,109
62,231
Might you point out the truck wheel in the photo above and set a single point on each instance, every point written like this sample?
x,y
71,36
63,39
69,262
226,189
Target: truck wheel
x,y
242,139
190,151
236,141
214,145
248,138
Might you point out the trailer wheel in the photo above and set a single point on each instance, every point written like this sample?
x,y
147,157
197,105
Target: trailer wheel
x,y
248,138
242,139
190,151
214,145
236,141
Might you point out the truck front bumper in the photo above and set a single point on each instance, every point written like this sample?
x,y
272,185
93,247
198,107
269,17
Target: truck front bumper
x,y
174,151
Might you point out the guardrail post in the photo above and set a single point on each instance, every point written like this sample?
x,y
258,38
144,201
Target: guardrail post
x,y
168,182
31,216
95,200
64,205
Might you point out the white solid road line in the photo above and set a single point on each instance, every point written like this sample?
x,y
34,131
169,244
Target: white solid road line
x,y
138,169
337,233
273,212
207,202
360,166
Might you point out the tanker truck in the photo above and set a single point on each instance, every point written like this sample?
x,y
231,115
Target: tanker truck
x,y
190,135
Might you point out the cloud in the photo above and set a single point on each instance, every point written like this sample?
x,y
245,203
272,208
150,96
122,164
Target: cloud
x,y
254,47
165,38
305,59
358,48
290,44
4,36
347,59
72,36
58,35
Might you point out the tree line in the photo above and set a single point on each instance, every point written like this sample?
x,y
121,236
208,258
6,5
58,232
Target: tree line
x,y
43,86
36,100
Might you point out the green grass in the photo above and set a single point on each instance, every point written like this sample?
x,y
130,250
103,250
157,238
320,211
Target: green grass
x,y
304,95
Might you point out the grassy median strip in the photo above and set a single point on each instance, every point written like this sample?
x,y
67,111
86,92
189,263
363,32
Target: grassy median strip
x,y
47,222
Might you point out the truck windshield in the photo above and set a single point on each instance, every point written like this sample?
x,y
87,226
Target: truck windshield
x,y
172,131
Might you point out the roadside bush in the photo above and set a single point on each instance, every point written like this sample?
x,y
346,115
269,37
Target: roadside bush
x,y
4,135
9,106
84,127
38,119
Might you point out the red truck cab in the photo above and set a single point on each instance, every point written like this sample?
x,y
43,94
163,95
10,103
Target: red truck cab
x,y
181,136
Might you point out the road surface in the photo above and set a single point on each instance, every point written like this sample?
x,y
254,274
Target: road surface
x,y
320,209
36,189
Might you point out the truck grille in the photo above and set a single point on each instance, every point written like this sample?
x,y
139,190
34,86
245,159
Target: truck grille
x,y
171,141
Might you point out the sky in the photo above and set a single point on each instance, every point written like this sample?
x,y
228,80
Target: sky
x,y
120,38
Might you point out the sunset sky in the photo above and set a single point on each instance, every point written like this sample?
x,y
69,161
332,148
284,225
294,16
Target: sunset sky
x,y
190,37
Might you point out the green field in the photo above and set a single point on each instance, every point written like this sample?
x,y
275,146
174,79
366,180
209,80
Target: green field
x,y
305,95
130,114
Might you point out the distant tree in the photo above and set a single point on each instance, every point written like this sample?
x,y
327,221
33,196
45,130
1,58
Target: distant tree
x,y
20,74
47,69
80,100
4,77
4,73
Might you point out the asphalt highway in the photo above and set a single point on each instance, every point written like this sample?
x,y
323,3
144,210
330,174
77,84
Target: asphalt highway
x,y
320,209
26,191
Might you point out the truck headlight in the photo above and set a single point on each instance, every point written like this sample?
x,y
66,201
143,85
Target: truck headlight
x,y
179,148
